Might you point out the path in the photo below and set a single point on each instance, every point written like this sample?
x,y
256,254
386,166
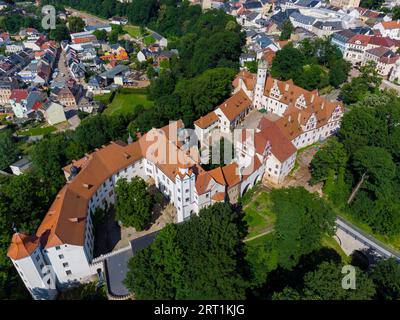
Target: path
x,y
351,238
267,230
301,176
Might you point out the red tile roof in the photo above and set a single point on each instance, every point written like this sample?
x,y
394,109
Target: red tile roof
x,y
207,120
235,105
22,246
19,94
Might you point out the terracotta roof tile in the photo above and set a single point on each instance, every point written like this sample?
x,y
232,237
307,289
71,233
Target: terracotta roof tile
x,y
22,246
235,105
207,120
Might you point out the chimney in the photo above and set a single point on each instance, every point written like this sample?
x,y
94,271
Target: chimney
x,y
299,117
290,118
86,185
126,155
312,98
322,106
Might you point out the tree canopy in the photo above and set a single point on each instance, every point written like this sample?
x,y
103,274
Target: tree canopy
x,y
133,203
300,215
314,64
199,259
8,149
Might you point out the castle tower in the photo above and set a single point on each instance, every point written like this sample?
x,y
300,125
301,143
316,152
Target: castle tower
x,y
262,73
29,262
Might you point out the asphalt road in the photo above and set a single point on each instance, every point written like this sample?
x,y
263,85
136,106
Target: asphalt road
x,y
117,265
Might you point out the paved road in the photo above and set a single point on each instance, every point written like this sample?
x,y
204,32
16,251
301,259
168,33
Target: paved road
x,y
389,85
352,238
117,265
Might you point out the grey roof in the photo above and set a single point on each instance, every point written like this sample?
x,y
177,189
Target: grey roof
x,y
334,25
157,36
22,163
251,33
363,30
252,15
33,97
280,17
302,18
264,41
117,265
307,3
114,71
343,36
247,56
252,5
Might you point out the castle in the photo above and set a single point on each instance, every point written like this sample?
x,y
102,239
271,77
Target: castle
x,y
60,254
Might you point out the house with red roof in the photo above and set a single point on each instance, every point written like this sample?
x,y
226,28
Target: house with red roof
x,y
24,104
385,59
389,29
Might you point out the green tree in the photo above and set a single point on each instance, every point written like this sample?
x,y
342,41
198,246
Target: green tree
x,y
8,149
300,215
288,63
76,24
155,273
396,13
60,33
386,276
376,163
193,260
113,36
338,72
287,29
325,283
332,155
312,77
100,34
133,204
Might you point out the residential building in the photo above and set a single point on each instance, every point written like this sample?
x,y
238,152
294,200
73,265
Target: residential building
x,y
385,59
389,29
20,166
24,103
160,40
92,28
53,112
7,84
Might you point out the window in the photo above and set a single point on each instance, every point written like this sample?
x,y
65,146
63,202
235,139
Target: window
x,y
187,190
61,256
37,258
187,199
65,264
58,247
68,272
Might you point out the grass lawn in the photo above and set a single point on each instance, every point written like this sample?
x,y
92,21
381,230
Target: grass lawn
x,y
330,242
37,131
103,98
133,31
126,100
149,40
258,214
